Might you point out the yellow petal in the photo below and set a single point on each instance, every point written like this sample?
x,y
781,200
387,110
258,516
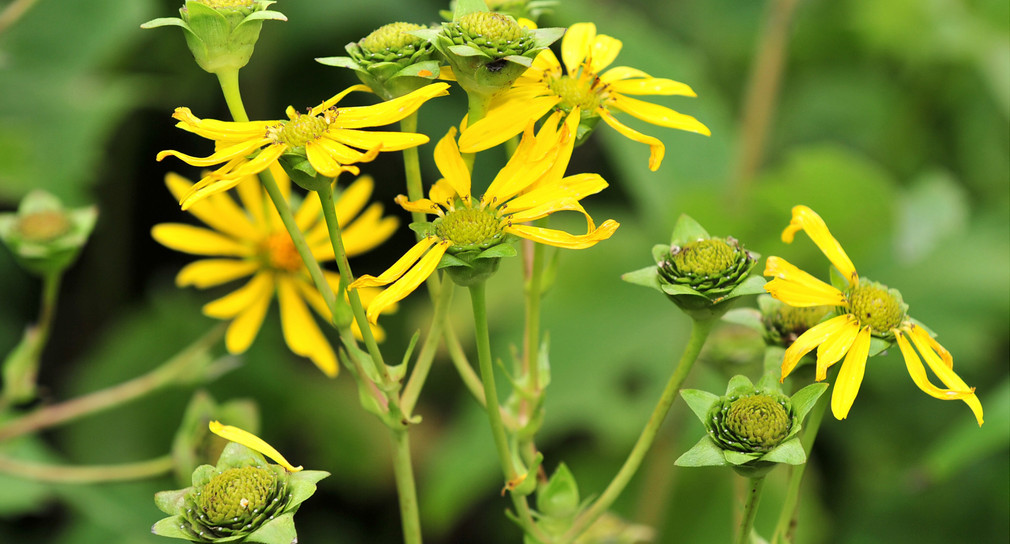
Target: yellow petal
x,y
656,147
212,129
210,272
797,288
301,332
198,240
421,206
505,121
219,211
813,337
408,282
563,239
443,194
389,111
240,149
332,101
656,114
368,231
234,303
246,325
329,157
806,219
850,377
368,139
651,85
923,342
834,347
399,267
251,441
918,373
451,165
574,187
576,45
603,52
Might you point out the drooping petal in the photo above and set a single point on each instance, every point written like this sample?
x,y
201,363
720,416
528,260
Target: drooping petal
x,y
330,158
850,377
834,347
335,99
389,111
923,342
399,267
651,86
219,212
797,288
505,121
301,333
251,441
813,337
574,187
450,164
422,205
576,45
807,220
240,149
563,239
212,129
369,139
198,240
656,148
408,282
918,373
656,114
210,272
261,162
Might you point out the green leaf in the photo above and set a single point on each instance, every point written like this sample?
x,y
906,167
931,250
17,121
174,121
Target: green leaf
x,y
738,385
451,260
339,62
677,289
738,457
789,452
660,252
170,527
648,276
544,37
560,496
302,484
704,454
753,285
497,251
700,402
687,230
805,399
280,530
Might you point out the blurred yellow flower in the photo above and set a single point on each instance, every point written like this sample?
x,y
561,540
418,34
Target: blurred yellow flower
x,y
867,309
546,86
326,135
529,187
253,242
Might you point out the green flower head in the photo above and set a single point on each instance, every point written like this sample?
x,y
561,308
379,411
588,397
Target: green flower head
x,y
750,428
241,499
700,273
487,50
221,34
392,60
529,9
45,237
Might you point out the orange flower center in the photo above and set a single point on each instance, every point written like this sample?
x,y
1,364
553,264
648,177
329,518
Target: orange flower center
x,y
280,253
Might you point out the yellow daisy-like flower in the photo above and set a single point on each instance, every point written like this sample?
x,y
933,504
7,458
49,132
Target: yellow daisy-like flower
x,y
866,309
529,187
582,84
327,135
253,242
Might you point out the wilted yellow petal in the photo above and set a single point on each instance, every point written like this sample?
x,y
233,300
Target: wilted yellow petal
x,y
251,441
399,267
850,377
797,288
408,282
923,342
806,219
813,337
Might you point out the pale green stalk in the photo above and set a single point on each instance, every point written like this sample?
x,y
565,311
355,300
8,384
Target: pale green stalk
x,y
699,333
403,471
786,527
476,110
750,510
426,356
21,367
68,474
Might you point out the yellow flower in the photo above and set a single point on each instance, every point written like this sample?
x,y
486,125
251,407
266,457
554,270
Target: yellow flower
x,y
253,242
546,86
866,309
326,135
529,187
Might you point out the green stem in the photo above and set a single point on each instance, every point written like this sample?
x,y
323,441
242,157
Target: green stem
x,y
336,239
699,333
21,367
412,170
750,510
426,356
483,341
232,96
405,488
172,371
786,526
66,474
476,109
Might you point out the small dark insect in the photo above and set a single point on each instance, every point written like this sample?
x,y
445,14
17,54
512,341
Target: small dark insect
x,y
495,65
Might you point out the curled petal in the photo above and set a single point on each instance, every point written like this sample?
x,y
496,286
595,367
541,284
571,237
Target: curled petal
x,y
807,220
657,115
251,441
389,111
656,148
563,239
813,337
924,343
833,348
399,267
918,373
407,282
797,288
850,377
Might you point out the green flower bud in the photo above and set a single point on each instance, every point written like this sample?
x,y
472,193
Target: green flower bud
x,y
44,237
750,428
221,34
701,274
486,50
783,323
392,61
242,499
530,9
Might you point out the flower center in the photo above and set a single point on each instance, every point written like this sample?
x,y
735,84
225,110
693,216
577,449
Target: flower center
x,y
392,37
575,92
43,226
228,4
759,420
280,253
236,493
790,321
469,226
491,26
874,305
299,130
710,257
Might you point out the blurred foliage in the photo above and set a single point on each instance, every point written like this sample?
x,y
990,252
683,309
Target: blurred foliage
x,y
891,122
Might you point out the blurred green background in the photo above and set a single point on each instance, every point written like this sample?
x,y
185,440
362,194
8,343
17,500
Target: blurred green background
x,y
891,121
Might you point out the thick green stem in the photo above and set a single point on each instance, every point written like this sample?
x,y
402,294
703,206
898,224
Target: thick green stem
x,y
750,510
476,109
786,527
232,96
172,371
426,356
483,341
699,333
405,488
412,169
67,474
